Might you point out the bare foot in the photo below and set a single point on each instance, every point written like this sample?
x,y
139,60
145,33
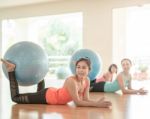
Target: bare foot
x,y
9,66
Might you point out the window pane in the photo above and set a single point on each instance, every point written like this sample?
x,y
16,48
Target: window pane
x,y
58,35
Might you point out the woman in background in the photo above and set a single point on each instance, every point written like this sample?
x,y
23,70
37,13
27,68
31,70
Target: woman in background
x,y
122,82
108,76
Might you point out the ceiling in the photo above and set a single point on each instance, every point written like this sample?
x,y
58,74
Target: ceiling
x,y
13,3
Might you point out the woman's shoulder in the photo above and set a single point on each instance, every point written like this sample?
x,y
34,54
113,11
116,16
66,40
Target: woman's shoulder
x,y
69,81
106,73
71,77
120,74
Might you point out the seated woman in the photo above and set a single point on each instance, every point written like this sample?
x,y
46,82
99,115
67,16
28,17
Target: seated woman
x,y
75,88
123,82
108,76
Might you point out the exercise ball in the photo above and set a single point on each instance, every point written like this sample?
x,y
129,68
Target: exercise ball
x,y
31,62
94,58
62,72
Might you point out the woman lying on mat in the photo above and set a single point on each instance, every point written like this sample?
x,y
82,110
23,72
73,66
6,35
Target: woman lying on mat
x,y
75,88
123,82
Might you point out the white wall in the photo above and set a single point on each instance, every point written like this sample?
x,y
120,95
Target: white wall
x,y
97,20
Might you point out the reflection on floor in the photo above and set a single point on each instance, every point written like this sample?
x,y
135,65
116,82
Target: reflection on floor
x,y
124,107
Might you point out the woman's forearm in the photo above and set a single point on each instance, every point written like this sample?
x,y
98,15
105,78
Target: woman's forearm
x,y
130,91
87,103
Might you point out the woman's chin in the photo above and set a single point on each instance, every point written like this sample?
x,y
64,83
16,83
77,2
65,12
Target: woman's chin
x,y
81,77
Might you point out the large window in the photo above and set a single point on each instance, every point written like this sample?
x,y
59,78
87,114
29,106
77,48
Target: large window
x,y
58,35
131,39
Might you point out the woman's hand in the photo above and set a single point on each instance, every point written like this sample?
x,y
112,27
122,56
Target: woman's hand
x,y
102,103
142,91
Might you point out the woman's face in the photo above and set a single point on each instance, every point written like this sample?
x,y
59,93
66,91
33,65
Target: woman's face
x,y
82,69
126,65
113,69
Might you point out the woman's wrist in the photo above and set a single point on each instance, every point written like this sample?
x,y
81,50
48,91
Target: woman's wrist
x,y
137,92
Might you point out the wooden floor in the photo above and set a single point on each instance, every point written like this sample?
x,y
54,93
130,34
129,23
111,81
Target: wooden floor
x,y
124,107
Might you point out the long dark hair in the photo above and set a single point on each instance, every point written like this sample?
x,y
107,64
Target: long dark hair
x,y
112,65
86,59
127,60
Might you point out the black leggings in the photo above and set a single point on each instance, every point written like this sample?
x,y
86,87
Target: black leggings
x,y
97,87
27,98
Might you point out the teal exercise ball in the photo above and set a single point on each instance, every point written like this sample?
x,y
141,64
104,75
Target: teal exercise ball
x,y
31,62
96,63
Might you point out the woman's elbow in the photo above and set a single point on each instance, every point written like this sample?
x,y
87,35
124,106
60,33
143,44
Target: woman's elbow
x,y
124,92
78,103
